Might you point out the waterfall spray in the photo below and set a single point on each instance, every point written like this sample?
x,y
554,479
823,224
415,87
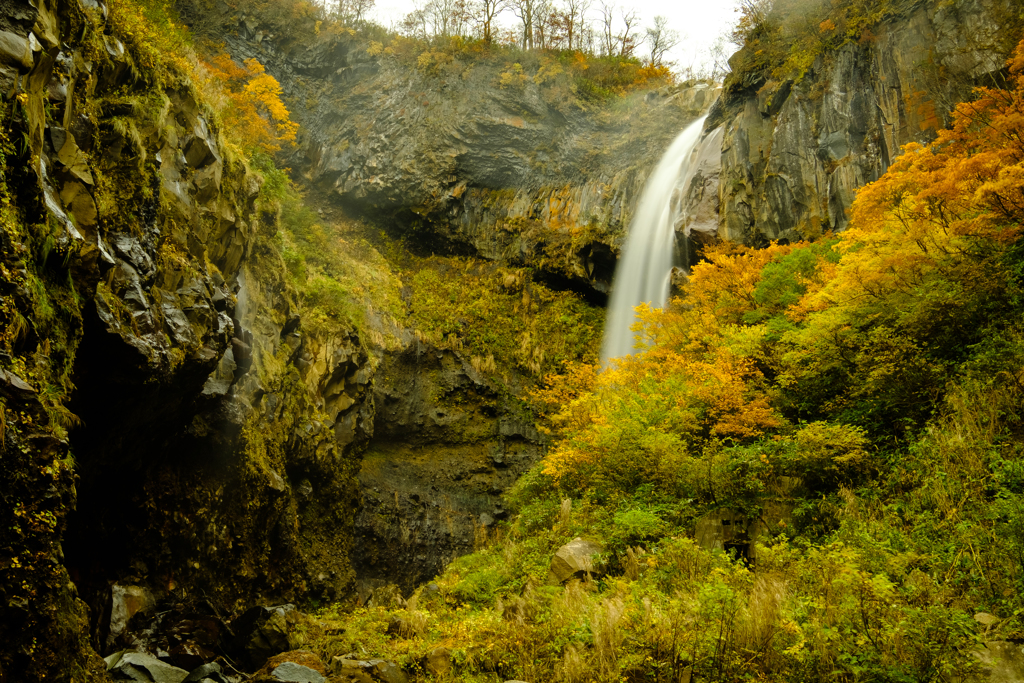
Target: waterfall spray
x,y
644,271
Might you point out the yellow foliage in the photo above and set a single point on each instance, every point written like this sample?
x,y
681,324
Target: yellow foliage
x,y
513,77
252,110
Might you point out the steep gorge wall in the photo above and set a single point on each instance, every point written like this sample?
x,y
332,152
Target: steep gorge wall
x,y
165,421
526,173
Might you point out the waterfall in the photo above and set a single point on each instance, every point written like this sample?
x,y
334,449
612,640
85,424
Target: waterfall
x,y
644,271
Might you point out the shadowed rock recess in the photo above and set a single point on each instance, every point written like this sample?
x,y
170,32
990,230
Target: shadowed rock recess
x,y
170,432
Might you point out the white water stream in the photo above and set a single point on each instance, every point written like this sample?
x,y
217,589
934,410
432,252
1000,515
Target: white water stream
x,y
645,267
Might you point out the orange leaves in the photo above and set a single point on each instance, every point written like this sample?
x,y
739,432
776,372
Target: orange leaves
x,y
652,409
251,104
724,283
863,329
939,204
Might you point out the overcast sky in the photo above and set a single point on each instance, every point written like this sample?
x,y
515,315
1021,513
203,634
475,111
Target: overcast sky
x,y
699,22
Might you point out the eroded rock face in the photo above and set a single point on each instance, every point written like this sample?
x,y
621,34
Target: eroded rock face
x,y
795,150
447,443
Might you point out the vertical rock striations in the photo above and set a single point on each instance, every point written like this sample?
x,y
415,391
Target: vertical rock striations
x,y
796,149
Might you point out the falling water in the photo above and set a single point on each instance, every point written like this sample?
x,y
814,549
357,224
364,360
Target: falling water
x,y
645,270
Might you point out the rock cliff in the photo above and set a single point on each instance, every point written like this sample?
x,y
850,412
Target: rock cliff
x,y
796,148
164,418
522,171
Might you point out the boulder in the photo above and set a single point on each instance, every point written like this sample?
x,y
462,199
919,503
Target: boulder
x,y
439,661
126,602
575,559
297,666
366,671
139,666
290,672
262,632
207,673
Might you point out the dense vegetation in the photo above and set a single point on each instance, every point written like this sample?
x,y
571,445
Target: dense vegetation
x,y
347,272
859,398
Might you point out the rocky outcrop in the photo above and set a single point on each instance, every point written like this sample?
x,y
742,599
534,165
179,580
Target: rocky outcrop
x,y
795,149
575,560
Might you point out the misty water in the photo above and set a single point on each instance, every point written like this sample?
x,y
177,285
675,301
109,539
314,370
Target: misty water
x,y
645,267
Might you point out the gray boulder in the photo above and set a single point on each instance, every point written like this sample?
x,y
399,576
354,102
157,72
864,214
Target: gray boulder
x,y
575,559
138,666
290,672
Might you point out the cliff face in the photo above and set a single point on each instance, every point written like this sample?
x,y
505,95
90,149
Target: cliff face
x,y
164,419
523,172
795,150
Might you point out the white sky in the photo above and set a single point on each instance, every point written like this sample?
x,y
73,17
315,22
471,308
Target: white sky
x,y
699,22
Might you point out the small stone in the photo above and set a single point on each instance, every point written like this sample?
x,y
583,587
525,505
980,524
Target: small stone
x,y
486,520
15,387
276,482
986,619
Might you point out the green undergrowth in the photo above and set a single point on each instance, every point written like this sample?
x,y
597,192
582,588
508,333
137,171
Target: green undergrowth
x,y
502,321
341,279
500,317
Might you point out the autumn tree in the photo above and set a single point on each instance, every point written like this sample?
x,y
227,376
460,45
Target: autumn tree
x,y
528,12
629,39
252,106
571,20
349,12
607,37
